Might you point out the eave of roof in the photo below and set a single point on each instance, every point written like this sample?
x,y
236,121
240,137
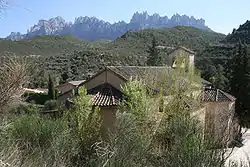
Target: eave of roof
x,y
73,83
183,48
76,83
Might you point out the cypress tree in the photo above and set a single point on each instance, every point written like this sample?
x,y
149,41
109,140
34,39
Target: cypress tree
x,y
153,58
51,89
240,82
246,85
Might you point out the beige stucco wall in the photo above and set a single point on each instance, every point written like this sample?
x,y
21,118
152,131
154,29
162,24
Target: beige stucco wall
x,y
97,80
105,77
218,121
189,58
114,80
108,115
65,88
65,96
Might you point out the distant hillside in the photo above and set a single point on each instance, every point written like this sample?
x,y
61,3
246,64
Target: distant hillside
x,y
132,43
43,45
70,58
92,28
193,38
242,33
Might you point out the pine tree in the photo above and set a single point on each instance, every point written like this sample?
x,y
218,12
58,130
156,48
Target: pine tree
x,y
246,84
221,81
240,82
153,58
51,89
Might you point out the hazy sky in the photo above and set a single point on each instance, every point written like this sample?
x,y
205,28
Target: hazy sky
x,y
220,15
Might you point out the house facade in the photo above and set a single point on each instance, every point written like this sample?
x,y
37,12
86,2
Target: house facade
x,y
220,123
216,113
67,89
181,57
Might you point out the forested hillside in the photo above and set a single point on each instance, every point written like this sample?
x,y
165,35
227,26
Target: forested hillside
x,y
70,58
42,45
214,61
242,33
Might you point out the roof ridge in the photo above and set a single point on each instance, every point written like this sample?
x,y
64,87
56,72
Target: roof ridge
x,y
141,66
188,50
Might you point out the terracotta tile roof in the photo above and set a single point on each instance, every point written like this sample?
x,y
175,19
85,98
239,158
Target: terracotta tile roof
x,y
105,95
216,95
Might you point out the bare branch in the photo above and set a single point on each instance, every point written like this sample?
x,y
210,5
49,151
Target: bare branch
x,y
13,76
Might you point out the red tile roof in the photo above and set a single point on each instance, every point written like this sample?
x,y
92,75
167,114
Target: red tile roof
x,y
106,95
216,95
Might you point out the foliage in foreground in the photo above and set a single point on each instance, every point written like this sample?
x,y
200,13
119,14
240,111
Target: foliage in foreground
x,y
142,136
33,140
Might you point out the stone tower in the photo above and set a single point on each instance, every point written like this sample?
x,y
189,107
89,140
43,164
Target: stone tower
x,y
181,57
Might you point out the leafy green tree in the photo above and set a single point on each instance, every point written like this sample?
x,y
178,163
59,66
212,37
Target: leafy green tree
x,y
153,58
51,88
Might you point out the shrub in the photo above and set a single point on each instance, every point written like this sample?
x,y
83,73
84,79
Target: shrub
x,y
50,105
35,131
30,140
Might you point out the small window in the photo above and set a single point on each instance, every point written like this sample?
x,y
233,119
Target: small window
x,y
161,104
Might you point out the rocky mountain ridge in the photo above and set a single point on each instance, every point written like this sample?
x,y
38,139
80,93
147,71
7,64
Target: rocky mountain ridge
x,y
92,28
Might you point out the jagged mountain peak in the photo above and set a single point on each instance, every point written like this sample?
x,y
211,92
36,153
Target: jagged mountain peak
x,y
86,20
245,26
92,28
